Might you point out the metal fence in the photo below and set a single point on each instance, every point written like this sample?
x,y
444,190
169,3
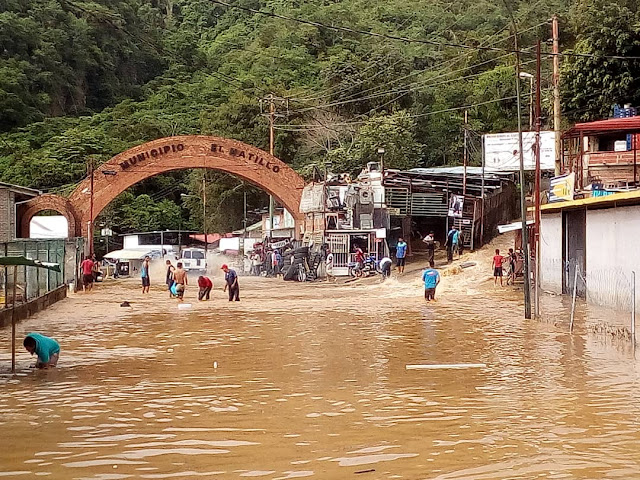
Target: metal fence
x,y
32,282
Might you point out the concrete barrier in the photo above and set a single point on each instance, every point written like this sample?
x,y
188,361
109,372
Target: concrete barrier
x,y
29,308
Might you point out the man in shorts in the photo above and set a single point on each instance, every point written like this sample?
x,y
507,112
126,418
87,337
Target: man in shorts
x,y
144,274
431,279
87,274
181,280
169,277
401,254
47,349
497,267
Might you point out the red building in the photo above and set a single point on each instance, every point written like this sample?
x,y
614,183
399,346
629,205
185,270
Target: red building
x,y
603,153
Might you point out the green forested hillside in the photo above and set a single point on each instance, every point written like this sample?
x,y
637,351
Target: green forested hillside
x,y
88,79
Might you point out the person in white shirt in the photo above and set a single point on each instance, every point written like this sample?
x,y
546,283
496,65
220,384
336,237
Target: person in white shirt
x,y
385,267
329,266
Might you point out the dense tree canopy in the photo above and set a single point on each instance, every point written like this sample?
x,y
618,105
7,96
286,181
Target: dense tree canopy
x,y
84,80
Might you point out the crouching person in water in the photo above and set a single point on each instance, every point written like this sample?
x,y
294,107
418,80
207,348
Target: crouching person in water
x,y
204,287
47,349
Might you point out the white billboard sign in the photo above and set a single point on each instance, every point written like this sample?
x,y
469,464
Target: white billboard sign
x,y
502,152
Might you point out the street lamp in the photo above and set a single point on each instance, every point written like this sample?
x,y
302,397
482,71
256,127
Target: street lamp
x,y
531,114
327,166
204,220
381,153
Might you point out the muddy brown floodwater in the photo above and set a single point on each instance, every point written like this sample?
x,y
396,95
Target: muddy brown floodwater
x,y
311,382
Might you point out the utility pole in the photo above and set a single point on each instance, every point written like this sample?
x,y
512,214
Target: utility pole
x,y
466,153
556,93
272,100
90,226
537,185
523,207
244,212
204,213
272,117
482,195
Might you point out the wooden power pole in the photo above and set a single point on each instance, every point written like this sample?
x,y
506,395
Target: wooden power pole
x,y
536,297
523,206
272,100
556,93
466,152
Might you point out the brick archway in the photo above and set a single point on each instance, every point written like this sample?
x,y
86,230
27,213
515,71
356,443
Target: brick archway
x,y
166,155
47,201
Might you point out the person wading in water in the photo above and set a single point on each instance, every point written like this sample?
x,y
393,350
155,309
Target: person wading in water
x,y
169,277
430,241
231,283
144,274
181,279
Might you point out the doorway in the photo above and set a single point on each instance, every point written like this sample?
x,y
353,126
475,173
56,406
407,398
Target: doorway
x,y
573,251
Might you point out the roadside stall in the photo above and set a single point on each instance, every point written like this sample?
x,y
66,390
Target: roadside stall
x,y
16,262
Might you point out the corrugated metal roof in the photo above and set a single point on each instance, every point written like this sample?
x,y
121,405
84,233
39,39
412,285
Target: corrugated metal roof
x,y
20,189
629,124
457,170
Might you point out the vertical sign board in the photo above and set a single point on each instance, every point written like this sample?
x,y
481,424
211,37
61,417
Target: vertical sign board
x,y
456,203
502,151
561,188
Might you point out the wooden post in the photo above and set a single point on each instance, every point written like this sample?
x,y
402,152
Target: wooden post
x,y
13,321
556,95
536,237
473,225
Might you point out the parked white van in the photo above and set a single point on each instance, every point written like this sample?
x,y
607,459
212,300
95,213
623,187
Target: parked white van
x,y
193,259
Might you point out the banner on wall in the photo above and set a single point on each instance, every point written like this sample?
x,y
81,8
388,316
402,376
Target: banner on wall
x,y
561,188
502,151
456,203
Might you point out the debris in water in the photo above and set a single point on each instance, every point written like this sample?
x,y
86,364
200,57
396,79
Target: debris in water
x,y
125,304
446,366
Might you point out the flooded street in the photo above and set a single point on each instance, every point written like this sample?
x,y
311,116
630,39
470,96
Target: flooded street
x,y
311,382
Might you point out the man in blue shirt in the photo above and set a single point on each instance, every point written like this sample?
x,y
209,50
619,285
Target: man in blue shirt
x,y
231,283
452,238
401,253
144,274
431,279
47,349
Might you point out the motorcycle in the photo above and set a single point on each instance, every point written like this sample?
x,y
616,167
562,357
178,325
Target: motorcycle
x,y
369,268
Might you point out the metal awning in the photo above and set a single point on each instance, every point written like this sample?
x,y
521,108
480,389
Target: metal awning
x,y
510,227
19,261
128,254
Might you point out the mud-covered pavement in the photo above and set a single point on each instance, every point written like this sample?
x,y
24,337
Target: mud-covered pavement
x,y
311,382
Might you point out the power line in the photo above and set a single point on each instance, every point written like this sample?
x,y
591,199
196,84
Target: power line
x,y
407,39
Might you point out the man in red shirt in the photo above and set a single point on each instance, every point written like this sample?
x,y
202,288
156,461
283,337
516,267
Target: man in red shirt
x,y
204,287
497,267
87,274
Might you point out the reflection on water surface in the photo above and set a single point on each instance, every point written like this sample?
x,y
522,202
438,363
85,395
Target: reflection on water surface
x,y
311,382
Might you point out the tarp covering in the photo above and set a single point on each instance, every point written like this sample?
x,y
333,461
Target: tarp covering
x,y
12,261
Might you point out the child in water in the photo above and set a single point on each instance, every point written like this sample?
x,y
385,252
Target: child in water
x,y
47,349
